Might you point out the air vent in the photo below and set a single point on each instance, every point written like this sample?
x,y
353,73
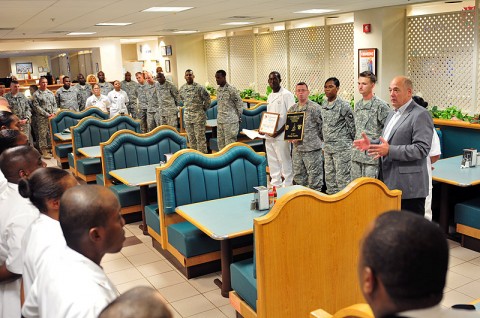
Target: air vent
x,y
242,17
55,32
7,29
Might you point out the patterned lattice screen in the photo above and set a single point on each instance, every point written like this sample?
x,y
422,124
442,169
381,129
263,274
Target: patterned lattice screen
x,y
440,52
216,53
307,57
341,59
242,61
271,56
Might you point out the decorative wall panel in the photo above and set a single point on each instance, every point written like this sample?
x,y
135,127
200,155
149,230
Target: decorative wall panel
x,y
341,59
271,54
242,61
216,53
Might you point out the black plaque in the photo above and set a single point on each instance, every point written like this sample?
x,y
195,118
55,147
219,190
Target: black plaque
x,y
294,126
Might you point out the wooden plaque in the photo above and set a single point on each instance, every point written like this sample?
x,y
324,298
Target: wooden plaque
x,y
294,126
269,123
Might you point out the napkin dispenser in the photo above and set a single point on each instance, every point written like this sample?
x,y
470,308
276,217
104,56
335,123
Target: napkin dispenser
x,y
261,197
469,158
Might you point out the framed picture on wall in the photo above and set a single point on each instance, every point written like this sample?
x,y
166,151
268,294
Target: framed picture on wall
x,y
24,68
167,66
367,60
163,50
168,50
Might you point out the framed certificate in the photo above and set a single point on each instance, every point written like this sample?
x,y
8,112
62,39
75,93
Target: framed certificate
x,y
294,126
269,123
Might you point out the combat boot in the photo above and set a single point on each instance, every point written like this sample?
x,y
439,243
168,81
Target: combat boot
x,y
45,154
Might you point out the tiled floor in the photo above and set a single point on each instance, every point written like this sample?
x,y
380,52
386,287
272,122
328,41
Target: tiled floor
x,y
140,264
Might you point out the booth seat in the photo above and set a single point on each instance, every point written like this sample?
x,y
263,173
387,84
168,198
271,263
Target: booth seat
x,y
126,149
191,177
251,119
91,132
64,120
291,272
467,218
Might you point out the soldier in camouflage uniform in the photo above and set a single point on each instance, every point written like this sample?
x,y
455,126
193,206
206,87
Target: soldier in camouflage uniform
x,y
84,91
67,96
196,101
153,105
169,101
307,153
20,106
230,107
370,115
338,133
142,101
44,106
105,87
130,87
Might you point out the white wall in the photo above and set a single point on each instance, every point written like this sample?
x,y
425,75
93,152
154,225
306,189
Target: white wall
x,y
190,54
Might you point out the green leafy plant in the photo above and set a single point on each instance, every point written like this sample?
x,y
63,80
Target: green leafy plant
x,y
210,89
452,113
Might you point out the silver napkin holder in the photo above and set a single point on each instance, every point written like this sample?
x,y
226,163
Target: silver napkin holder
x,y
261,197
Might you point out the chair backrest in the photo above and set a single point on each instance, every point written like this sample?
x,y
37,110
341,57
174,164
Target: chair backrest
x,y
92,131
251,117
191,176
66,118
307,248
127,149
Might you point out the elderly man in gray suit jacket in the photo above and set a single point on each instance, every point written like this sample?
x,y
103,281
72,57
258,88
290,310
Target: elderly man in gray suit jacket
x,y
403,146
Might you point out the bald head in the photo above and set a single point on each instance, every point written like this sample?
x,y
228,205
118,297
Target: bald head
x,y
19,162
401,91
138,302
4,106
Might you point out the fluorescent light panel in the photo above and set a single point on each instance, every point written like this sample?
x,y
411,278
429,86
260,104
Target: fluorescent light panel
x,y
81,33
316,11
186,31
113,24
167,9
237,23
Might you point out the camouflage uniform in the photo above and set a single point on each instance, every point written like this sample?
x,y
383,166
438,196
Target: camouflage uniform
x,y
105,88
153,106
142,106
196,101
44,104
230,107
20,106
169,100
307,153
370,118
338,133
83,92
131,89
67,98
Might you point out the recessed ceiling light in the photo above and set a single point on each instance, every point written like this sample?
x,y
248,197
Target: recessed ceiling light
x,y
167,9
113,24
81,33
186,31
316,11
237,23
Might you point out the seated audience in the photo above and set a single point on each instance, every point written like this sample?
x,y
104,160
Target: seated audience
x,y
75,285
9,121
403,266
10,138
16,216
138,302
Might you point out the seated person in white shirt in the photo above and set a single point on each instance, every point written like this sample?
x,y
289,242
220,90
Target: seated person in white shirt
x,y
17,214
403,267
138,302
44,237
75,285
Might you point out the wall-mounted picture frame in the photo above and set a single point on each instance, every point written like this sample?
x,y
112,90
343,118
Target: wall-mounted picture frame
x,y
168,50
24,68
168,68
367,60
163,50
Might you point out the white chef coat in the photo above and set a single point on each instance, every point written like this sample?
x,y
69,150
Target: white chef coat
x,y
101,102
42,241
3,184
434,151
17,213
118,102
72,286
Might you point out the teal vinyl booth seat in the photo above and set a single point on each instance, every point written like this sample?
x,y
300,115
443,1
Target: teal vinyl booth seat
x,y
191,177
251,118
64,120
467,218
126,149
91,132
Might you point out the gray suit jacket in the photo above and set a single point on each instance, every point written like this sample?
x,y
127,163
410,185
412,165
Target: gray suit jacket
x,y
405,166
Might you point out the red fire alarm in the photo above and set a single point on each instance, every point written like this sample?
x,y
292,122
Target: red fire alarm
x,y
367,28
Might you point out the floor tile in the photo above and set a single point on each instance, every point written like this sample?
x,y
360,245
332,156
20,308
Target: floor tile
x,y
471,289
134,283
204,283
166,279
214,313
453,261
178,292
110,257
464,253
452,244
454,297
128,233
144,258
135,250
475,261
155,268
116,265
216,298
468,270
131,240
228,311
124,276
174,312
455,280
192,305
